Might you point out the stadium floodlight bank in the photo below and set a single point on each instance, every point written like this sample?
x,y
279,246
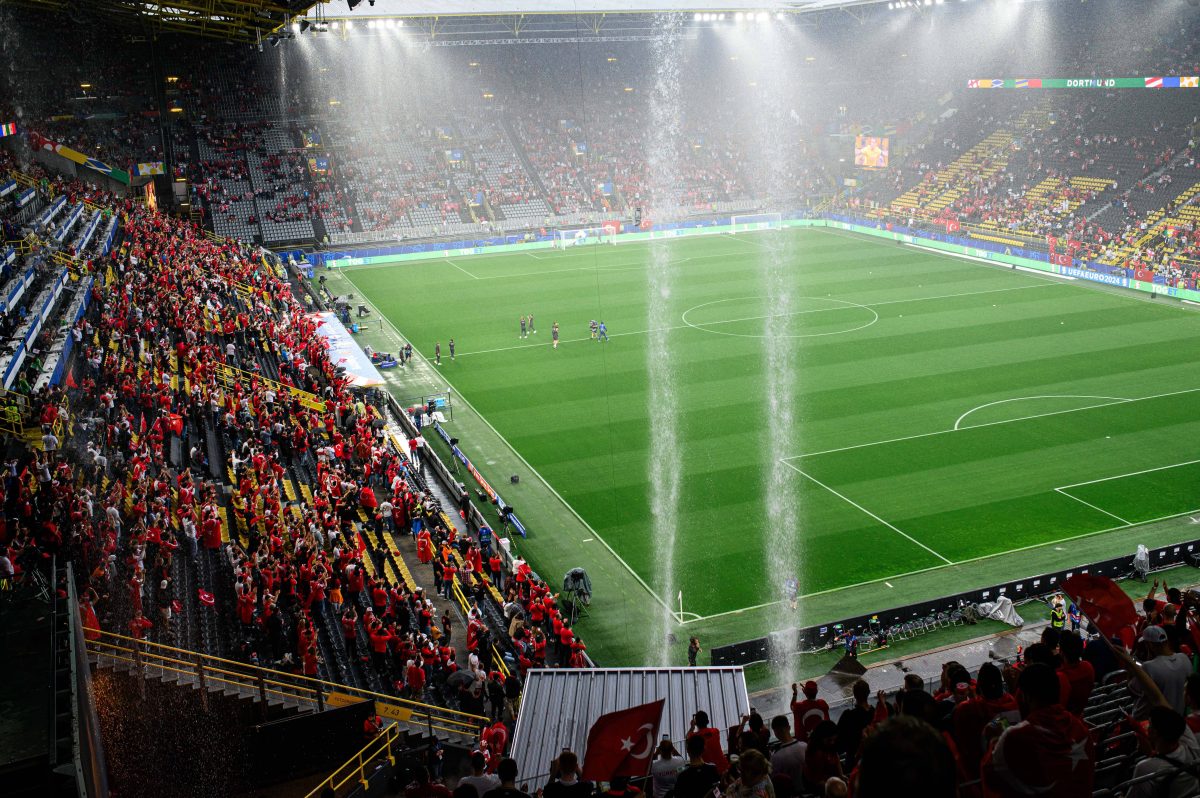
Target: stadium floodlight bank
x,y
748,223
585,236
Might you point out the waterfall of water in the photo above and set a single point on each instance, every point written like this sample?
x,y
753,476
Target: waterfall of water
x,y
664,466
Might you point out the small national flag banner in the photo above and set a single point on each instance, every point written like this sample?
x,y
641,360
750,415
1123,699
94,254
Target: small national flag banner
x,y
1154,83
1029,83
972,84
1060,259
1170,83
8,129
150,168
1103,602
622,743
1192,82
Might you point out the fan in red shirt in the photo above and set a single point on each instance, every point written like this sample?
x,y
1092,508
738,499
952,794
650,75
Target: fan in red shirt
x,y
808,713
1076,676
712,740
1049,752
971,717
414,680
139,625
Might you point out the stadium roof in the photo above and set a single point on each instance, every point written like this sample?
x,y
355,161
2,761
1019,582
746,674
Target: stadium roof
x,y
559,706
445,8
235,20
249,21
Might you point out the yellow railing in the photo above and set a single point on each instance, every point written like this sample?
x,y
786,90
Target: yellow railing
x,y
232,375
461,598
356,766
147,656
24,179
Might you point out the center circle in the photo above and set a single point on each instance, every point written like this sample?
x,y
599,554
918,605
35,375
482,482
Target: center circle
x,y
836,305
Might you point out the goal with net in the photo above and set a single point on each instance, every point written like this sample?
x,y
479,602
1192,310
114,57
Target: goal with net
x,y
748,223
585,236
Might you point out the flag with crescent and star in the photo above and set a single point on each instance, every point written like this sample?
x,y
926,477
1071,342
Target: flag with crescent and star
x,y
622,743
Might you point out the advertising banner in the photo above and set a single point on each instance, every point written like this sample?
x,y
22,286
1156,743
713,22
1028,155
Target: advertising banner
x,y
1157,82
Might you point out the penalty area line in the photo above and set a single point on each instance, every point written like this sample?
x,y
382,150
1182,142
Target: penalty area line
x,y
932,568
461,269
1094,507
855,504
1130,474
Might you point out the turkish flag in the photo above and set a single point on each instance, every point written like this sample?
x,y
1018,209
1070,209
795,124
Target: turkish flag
x,y
622,743
1105,604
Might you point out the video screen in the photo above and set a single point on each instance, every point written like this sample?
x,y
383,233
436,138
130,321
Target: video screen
x,y
871,152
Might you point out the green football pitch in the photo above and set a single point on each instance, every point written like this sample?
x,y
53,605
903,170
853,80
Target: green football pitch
x,y
948,411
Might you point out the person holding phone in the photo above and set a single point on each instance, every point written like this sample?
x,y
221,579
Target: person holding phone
x,y
712,740
699,778
665,769
565,778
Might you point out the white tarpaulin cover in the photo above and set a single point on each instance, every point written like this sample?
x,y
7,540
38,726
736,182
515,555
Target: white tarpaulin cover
x,y
344,351
1001,609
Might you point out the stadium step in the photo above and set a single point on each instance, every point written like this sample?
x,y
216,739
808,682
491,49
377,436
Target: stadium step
x,y
515,141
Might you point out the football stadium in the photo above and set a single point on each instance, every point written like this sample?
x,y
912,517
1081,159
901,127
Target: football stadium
x,y
493,399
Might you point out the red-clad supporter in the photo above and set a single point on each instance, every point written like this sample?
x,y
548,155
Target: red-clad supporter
x,y
1049,750
807,713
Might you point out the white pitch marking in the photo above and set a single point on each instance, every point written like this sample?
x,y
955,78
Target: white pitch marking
x,y
992,424
461,269
1115,400
889,584
1094,507
1130,474
755,318
980,558
853,503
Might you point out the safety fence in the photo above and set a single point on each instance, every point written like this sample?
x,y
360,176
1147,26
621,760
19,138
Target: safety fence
x,y
158,660
355,768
